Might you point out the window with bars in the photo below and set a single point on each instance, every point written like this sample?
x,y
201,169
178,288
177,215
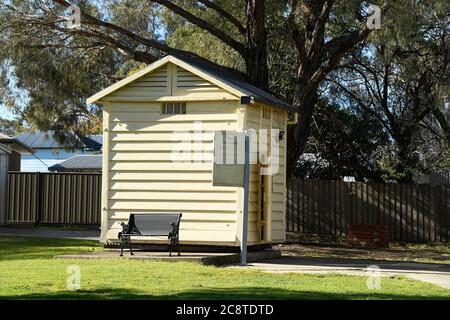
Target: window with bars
x,y
173,108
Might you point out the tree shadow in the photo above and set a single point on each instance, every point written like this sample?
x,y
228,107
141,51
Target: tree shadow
x,y
238,293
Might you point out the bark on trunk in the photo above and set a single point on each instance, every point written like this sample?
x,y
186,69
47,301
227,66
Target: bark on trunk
x,y
298,135
256,61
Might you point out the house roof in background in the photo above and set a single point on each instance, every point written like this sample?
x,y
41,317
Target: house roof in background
x,y
94,142
218,75
80,162
46,140
40,139
18,145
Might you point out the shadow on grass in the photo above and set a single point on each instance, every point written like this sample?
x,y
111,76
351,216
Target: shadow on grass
x,y
246,293
20,248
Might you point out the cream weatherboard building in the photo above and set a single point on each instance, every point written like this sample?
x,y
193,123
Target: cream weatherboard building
x,y
172,108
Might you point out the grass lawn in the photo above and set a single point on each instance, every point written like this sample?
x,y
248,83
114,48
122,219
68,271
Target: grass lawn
x,y
28,271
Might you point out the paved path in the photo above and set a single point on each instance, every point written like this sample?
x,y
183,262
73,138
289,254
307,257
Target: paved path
x,y
427,272
51,233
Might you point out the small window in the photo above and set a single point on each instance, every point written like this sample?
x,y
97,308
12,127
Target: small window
x,y
173,108
266,113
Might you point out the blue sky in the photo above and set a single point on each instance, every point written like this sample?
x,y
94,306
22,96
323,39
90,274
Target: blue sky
x,y
4,112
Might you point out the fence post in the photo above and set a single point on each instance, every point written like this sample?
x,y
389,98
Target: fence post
x,y
38,198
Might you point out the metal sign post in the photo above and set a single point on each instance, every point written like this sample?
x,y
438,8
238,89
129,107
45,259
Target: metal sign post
x,y
234,174
246,198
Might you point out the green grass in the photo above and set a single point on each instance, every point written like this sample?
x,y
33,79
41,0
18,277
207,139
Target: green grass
x,y
28,271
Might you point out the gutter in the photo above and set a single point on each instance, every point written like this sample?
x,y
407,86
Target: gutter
x,y
253,100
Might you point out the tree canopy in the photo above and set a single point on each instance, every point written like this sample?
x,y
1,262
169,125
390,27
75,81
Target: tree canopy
x,y
344,77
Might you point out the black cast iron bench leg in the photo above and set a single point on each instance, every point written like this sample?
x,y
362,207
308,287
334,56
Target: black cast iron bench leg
x,y
131,249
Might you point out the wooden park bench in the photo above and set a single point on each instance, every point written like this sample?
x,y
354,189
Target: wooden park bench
x,y
151,225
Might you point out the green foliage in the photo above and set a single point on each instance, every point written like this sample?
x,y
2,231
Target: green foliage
x,y
47,72
10,127
342,143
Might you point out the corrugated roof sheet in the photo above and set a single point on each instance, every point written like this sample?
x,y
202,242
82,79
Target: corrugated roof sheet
x,y
41,139
46,140
81,162
233,80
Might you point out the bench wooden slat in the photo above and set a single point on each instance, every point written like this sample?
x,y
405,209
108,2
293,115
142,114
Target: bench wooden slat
x,y
155,224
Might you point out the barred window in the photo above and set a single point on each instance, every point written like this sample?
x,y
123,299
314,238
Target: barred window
x,y
173,108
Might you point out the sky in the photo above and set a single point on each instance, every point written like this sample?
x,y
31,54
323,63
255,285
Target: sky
x,y
4,113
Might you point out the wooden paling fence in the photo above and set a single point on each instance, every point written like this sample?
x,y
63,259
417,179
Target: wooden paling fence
x,y
54,198
415,213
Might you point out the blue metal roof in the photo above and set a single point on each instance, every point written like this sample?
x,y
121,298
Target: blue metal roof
x,y
47,140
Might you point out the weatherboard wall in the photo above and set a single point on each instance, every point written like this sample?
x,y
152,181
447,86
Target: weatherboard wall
x,y
145,175
274,201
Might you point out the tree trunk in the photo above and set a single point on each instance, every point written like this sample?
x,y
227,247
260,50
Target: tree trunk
x,y
256,61
298,135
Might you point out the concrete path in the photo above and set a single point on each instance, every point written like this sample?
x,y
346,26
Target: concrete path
x,y
51,233
431,273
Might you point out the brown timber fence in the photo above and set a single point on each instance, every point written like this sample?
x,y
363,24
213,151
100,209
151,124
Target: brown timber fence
x,y
54,198
414,213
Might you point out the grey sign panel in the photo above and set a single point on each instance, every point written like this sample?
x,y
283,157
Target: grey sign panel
x,y
228,167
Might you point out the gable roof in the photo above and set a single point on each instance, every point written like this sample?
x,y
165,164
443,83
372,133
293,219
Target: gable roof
x,y
18,145
79,163
217,75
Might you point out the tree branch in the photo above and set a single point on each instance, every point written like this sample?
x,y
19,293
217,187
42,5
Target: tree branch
x,y
341,47
212,5
152,43
222,36
296,35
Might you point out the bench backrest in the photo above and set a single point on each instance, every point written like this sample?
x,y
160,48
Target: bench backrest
x,y
154,224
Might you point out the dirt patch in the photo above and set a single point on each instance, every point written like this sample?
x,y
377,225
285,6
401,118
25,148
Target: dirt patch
x,y
330,248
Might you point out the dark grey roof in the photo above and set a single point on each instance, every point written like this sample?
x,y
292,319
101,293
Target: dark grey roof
x,y
77,163
46,140
94,142
19,145
233,80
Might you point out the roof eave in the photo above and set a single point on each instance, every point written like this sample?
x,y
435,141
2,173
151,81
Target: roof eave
x,y
260,100
18,146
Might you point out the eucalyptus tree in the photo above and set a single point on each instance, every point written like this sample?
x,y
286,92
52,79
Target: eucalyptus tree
x,y
309,37
402,79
